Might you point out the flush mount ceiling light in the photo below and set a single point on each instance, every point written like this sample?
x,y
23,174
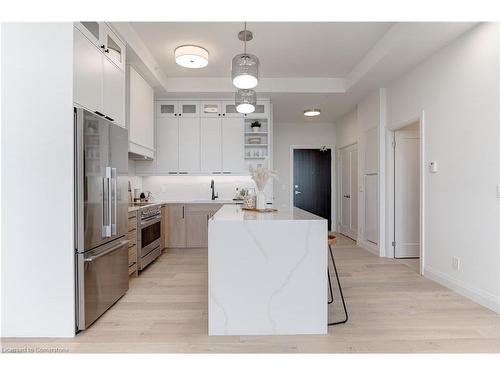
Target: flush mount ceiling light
x,y
311,112
190,56
245,100
244,66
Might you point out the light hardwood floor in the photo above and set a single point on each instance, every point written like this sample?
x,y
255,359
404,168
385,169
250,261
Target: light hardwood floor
x,y
391,309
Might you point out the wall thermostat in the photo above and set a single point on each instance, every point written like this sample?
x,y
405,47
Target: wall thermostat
x,y
433,166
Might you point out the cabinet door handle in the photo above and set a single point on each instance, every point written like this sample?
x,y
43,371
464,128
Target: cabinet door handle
x,y
223,114
99,113
183,207
172,172
106,50
180,114
216,172
175,114
103,46
227,172
183,172
109,118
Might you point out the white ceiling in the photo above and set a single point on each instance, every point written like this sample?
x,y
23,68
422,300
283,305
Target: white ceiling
x,y
286,49
303,64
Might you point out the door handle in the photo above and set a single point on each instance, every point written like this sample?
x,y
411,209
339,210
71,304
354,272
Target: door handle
x,y
114,223
110,250
297,192
347,196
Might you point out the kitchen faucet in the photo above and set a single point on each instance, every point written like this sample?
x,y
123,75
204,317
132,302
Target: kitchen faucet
x,y
214,195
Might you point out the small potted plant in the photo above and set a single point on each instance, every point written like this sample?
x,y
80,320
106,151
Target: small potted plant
x,y
256,126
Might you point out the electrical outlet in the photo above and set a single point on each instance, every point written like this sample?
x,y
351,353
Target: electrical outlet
x,y
456,263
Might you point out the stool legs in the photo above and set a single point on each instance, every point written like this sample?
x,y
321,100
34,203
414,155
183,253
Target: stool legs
x,y
330,297
340,289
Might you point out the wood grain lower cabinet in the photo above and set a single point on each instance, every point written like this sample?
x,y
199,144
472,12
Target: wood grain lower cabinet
x,y
187,224
132,245
164,227
176,225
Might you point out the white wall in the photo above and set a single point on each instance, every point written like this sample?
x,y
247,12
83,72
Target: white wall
x,y
37,180
458,89
303,134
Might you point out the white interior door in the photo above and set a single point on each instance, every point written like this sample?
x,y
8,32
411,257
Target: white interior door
x,y
407,194
348,189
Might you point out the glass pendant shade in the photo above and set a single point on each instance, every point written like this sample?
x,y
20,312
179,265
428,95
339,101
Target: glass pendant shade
x,y
245,71
245,100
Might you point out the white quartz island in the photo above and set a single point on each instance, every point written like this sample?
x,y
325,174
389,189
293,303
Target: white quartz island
x,y
267,273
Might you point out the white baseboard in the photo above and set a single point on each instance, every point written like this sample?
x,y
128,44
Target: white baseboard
x,y
479,296
371,247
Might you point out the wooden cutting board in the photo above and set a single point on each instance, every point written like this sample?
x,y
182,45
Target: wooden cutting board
x,y
257,210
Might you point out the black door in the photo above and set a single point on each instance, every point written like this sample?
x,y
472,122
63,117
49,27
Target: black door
x,y
312,190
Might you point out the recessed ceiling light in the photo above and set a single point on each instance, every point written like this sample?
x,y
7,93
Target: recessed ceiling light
x,y
193,57
310,112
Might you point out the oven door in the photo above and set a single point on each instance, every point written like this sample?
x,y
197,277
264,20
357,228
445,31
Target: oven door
x,y
150,235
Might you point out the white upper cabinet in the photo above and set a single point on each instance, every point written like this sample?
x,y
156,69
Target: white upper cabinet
x,y
141,115
211,109
261,109
167,145
93,30
114,48
233,148
166,108
229,109
99,84
188,109
87,74
113,93
211,145
189,145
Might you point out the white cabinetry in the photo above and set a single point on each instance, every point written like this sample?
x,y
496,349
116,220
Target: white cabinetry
x,y
141,115
206,138
167,145
211,145
189,145
114,48
113,92
233,148
87,74
99,84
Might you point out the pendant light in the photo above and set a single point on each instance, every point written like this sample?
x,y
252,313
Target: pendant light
x,y
245,100
244,66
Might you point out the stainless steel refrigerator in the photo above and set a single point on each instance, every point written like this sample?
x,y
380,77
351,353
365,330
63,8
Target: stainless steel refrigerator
x,y
101,219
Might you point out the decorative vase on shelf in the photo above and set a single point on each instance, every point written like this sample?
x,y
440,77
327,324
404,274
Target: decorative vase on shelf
x,y
261,200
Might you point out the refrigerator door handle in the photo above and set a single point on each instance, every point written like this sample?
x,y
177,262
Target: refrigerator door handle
x,y
107,209
113,222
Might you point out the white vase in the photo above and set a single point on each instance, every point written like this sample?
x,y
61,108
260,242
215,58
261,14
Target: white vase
x,y
261,200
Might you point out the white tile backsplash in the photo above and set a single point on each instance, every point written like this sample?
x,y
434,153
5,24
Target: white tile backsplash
x,y
194,187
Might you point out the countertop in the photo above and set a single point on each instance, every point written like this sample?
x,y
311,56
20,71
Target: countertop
x,y
231,212
192,201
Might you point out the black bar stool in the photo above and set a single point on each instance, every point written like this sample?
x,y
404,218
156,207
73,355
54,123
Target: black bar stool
x,y
331,241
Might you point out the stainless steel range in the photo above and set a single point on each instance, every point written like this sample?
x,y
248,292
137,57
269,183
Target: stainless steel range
x,y
149,235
